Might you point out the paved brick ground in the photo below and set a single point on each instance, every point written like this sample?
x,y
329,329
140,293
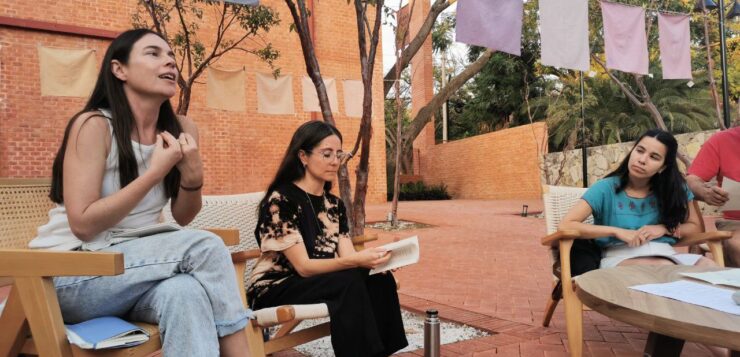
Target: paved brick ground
x,y
482,265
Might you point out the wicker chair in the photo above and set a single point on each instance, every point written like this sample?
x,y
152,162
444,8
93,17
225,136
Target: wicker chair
x,y
558,200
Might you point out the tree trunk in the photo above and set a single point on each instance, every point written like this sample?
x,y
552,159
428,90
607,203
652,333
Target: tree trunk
x,y
314,72
367,64
183,104
710,70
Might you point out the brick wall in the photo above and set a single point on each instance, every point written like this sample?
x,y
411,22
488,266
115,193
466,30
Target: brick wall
x,y
241,151
500,165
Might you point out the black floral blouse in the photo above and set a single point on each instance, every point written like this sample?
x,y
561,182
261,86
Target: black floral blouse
x,y
292,216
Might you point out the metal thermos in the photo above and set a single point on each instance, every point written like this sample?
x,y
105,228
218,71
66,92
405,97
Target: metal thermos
x,y
431,334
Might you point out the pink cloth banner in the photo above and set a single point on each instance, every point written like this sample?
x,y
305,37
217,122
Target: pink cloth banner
x,y
564,33
675,46
624,38
495,24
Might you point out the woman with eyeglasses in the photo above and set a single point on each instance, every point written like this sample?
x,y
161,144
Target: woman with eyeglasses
x,y
308,256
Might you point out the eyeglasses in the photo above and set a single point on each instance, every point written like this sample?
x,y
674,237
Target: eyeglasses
x,y
329,156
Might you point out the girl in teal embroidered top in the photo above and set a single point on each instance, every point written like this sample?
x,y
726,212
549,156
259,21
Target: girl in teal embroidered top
x,y
641,209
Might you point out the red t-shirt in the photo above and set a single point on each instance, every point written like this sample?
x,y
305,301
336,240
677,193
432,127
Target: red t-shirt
x,y
720,156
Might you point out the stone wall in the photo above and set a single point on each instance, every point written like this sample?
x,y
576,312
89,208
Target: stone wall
x,y
603,159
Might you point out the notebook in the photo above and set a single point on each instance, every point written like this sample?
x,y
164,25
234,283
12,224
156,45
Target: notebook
x,y
105,332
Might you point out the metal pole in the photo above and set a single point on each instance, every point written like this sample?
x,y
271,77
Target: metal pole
x,y
584,152
431,334
723,57
444,105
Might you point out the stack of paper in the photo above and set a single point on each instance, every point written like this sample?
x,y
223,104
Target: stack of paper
x,y
694,293
729,277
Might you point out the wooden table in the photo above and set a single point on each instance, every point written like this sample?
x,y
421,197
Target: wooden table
x,y
670,322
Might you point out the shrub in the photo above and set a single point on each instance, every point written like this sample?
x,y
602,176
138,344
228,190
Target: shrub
x,y
417,191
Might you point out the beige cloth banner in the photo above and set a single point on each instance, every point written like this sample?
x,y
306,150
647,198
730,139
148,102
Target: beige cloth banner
x,y
66,72
274,96
353,93
226,89
311,99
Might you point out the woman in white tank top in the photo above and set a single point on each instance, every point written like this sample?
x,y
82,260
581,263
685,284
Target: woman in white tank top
x,y
122,158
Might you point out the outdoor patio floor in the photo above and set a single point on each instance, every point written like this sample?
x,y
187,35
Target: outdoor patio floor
x,y
482,265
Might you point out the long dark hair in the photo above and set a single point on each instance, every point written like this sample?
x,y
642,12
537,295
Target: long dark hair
x,y
305,138
109,94
668,185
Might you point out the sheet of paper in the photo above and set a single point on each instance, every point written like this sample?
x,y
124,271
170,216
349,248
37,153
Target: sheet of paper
x,y
404,252
729,277
694,293
733,188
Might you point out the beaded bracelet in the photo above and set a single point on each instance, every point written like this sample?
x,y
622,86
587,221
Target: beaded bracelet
x,y
196,188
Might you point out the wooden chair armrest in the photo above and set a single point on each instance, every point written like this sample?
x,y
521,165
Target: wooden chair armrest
x,y
552,239
361,240
698,238
40,263
244,255
230,236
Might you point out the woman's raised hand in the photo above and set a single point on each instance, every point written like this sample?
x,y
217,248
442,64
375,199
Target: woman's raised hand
x,y
371,257
167,153
190,166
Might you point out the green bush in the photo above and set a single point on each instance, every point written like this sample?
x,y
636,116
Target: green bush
x,y
417,191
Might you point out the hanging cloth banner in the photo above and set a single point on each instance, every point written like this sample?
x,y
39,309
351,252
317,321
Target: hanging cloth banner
x,y
353,95
66,73
226,89
311,99
675,46
495,24
624,38
274,95
564,33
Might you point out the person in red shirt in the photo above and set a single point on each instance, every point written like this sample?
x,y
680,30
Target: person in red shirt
x,y
719,157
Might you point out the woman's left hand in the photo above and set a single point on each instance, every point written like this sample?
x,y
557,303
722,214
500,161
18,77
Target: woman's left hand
x,y
190,166
648,233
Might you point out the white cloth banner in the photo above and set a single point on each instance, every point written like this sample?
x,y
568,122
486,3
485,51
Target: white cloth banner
x,y
311,99
353,95
564,33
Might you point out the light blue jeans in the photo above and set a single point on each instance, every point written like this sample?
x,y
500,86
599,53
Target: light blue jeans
x,y
183,281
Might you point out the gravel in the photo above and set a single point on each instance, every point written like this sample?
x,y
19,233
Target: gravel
x,y
414,325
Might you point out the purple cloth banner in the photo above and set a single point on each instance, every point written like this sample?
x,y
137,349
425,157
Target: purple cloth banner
x,y
624,38
495,24
675,47
564,33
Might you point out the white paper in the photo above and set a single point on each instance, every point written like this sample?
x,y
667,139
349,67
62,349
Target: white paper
x,y
404,252
729,277
733,188
694,293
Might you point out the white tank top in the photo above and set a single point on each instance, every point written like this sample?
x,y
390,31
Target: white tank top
x,y
57,235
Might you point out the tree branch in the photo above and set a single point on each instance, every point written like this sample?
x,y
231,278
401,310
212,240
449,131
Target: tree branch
x,y
425,114
408,53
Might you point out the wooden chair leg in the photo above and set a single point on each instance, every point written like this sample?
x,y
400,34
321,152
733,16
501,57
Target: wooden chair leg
x,y
255,340
555,296
573,306
574,322
13,325
41,307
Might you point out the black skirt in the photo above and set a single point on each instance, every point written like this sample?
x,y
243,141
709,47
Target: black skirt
x,y
364,309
